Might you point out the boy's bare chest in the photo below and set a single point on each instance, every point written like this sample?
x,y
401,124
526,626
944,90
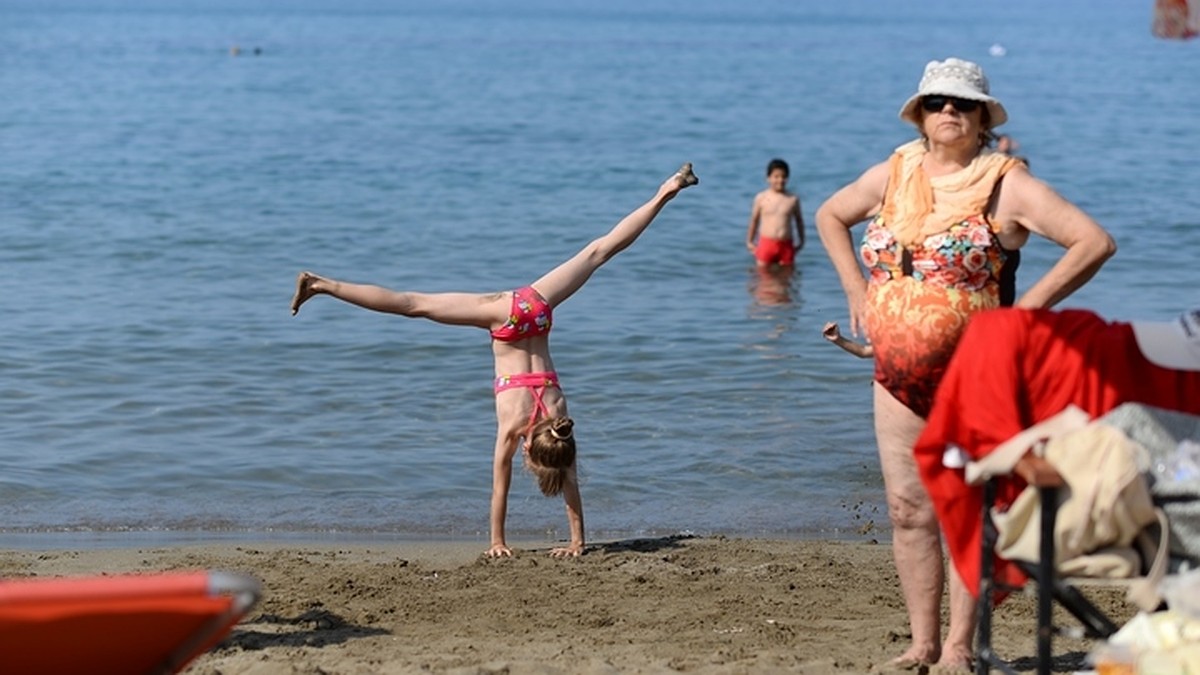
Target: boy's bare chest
x,y
778,205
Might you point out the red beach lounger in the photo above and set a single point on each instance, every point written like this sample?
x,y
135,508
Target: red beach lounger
x,y
120,624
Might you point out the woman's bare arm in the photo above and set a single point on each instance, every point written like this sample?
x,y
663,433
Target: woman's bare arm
x,y
846,208
1031,204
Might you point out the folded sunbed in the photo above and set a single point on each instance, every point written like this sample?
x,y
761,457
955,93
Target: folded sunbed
x,y
119,624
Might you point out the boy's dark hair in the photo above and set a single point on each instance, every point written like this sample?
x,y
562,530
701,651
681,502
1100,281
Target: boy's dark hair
x,y
778,164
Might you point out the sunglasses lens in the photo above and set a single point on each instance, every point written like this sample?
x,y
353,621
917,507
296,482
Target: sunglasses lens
x,y
933,103
937,103
965,105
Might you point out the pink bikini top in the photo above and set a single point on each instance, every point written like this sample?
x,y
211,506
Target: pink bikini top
x,y
530,316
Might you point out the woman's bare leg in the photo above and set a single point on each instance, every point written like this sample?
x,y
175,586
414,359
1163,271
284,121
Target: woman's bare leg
x,y
562,282
959,649
916,543
464,309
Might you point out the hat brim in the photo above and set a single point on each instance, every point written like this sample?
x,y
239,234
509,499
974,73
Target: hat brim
x,y
996,111
1166,345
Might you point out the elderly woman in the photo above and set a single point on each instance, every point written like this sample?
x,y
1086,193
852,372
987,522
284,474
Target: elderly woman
x,y
947,211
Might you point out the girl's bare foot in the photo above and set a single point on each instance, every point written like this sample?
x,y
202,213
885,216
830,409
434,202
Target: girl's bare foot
x,y
679,180
304,290
685,177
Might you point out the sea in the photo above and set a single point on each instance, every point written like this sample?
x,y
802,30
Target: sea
x,y
168,166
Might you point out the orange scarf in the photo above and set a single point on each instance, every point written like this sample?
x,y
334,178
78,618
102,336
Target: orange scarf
x,y
917,206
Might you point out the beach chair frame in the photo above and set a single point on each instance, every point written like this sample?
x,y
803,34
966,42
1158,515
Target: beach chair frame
x,y
1051,588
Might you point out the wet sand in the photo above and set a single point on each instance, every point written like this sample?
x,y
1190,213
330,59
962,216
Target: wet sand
x,y
663,605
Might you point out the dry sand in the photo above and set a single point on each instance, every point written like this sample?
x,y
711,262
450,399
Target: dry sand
x,y
665,605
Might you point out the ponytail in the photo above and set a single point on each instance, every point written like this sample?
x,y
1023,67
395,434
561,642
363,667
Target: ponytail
x,y
551,456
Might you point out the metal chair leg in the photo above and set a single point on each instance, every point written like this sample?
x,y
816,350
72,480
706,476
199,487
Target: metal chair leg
x,y
986,657
1045,579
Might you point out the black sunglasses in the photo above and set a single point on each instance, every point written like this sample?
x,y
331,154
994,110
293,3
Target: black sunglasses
x,y
937,103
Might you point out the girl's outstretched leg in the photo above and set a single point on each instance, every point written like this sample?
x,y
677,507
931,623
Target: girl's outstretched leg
x,y
460,309
562,282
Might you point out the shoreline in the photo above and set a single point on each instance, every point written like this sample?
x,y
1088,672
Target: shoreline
x,y
87,540
715,605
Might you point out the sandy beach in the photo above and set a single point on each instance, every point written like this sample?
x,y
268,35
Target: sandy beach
x,y
663,605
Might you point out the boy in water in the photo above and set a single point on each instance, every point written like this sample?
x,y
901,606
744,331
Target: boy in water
x,y
771,220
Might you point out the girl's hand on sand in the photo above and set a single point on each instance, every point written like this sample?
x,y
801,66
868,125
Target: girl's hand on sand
x,y
572,551
499,551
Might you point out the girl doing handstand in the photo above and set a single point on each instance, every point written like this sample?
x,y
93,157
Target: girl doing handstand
x,y
531,410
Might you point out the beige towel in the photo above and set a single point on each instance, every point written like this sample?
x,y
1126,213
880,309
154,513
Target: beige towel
x,y
1102,509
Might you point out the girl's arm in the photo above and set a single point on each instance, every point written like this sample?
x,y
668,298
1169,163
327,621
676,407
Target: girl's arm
x,y
506,447
834,335
858,349
574,503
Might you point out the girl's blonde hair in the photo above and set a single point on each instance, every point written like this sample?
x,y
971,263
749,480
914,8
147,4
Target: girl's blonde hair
x,y
551,456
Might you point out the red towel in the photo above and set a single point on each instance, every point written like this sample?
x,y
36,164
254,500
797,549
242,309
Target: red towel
x,y
1014,368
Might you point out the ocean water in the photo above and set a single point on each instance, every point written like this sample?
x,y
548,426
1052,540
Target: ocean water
x,y
169,166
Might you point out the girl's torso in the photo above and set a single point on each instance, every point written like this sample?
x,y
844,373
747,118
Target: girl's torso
x,y
531,355
521,344
523,399
514,355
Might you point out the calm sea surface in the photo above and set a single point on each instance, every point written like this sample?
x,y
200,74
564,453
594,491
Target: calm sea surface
x,y
158,194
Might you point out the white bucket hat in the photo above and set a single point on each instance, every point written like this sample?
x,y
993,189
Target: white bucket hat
x,y
957,78
1174,344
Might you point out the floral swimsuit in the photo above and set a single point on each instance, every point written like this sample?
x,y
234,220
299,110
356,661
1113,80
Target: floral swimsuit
x,y
920,298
